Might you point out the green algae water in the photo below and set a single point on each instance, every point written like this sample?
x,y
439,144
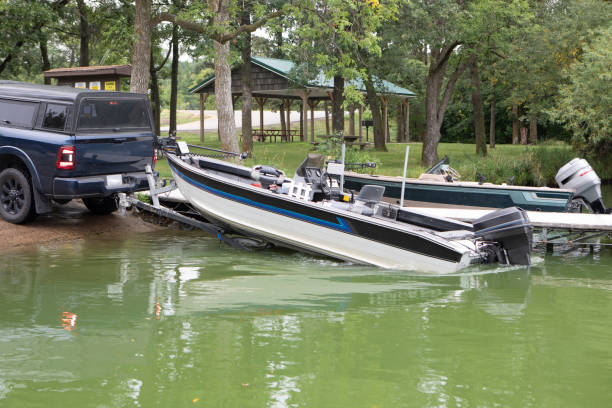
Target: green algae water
x,y
174,319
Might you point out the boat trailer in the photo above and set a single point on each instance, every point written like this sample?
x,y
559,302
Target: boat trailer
x,y
182,213
555,231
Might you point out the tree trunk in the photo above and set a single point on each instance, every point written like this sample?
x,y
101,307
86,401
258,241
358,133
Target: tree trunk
x,y
406,125
515,125
533,128
223,81
373,102
281,111
478,110
141,58
524,135
247,91
174,79
326,118
432,137
337,105
83,34
155,102
44,55
492,125
435,108
399,121
420,130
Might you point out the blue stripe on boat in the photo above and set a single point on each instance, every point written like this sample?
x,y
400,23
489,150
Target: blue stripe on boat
x,y
341,225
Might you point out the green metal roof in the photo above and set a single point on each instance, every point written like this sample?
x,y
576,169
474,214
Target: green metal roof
x,y
284,68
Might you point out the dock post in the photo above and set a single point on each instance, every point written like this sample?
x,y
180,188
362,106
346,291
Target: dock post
x,y
404,175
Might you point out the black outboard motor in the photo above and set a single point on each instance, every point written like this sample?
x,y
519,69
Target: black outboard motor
x,y
510,227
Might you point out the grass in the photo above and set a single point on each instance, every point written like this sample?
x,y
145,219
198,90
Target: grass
x,y
530,165
182,116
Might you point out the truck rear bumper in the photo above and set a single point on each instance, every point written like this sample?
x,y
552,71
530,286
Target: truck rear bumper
x,y
98,186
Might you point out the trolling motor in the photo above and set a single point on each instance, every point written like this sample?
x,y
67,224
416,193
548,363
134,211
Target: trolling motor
x,y
578,175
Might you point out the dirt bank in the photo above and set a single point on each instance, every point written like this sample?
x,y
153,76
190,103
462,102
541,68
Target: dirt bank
x,y
70,222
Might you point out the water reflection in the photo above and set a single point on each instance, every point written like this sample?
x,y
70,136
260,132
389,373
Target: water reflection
x,y
282,329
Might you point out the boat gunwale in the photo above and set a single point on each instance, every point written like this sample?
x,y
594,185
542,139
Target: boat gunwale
x,y
461,184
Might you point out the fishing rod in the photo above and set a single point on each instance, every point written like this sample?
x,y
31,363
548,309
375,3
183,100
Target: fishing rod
x,y
170,144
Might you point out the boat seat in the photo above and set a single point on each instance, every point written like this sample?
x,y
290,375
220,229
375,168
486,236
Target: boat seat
x,y
267,175
266,181
370,194
267,170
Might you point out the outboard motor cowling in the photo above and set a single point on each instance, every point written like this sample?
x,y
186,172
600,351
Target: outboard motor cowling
x,y
510,228
578,175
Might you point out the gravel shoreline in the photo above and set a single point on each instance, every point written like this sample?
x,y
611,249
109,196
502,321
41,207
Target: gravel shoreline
x,y
68,223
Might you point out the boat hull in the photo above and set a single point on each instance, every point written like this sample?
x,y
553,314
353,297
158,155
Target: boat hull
x,y
467,194
307,229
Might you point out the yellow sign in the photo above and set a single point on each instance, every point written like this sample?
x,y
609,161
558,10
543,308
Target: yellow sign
x,y
94,85
109,86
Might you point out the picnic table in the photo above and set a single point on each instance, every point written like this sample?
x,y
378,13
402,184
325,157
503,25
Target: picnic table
x,y
285,136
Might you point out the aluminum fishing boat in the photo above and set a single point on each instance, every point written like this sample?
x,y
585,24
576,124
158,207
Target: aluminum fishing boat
x,y
311,212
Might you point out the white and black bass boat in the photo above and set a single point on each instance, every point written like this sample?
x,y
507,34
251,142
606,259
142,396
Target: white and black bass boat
x,y
311,212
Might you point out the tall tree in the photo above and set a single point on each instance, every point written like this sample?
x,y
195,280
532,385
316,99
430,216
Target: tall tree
x,y
585,103
247,94
479,128
84,33
22,22
141,59
217,25
174,78
155,95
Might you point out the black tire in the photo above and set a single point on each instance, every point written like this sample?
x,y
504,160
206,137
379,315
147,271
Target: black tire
x,y
16,198
101,205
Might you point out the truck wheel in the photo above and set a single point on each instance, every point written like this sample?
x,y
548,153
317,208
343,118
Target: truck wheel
x,y
16,198
101,205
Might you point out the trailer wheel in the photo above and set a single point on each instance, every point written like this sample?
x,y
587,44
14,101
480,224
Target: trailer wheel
x,y
16,198
101,205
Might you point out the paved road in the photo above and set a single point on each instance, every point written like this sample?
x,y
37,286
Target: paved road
x,y
270,118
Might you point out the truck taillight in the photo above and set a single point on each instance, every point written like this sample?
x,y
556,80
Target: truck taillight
x,y
154,156
65,158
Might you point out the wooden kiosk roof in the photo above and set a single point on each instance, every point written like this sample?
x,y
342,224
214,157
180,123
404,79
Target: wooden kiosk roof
x,y
274,78
101,70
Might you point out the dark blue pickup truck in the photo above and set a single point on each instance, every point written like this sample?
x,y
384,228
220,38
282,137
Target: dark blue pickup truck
x,y
61,143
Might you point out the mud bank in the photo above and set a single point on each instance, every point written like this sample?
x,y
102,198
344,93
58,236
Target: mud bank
x,y
70,222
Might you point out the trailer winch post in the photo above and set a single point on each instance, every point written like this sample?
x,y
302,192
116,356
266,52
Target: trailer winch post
x,y
152,186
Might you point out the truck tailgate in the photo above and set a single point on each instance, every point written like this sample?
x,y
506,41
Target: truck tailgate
x,y
113,153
